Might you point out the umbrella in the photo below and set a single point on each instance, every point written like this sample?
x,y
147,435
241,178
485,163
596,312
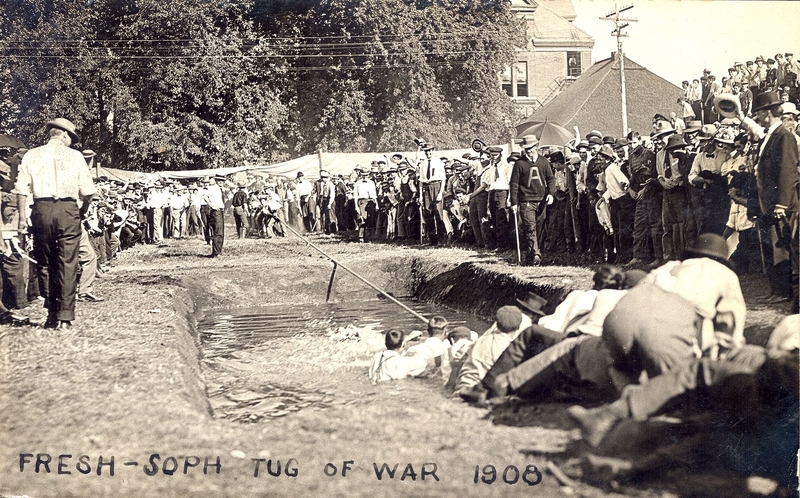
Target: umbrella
x,y
9,141
549,134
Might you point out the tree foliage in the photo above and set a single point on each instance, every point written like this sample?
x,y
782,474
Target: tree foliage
x,y
203,83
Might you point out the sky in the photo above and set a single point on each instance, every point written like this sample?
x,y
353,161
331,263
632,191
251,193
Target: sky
x,y
677,39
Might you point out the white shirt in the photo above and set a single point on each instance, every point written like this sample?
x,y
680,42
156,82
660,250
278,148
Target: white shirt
x,y
213,197
54,170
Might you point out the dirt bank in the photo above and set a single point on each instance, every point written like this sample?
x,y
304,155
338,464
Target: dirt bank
x,y
129,382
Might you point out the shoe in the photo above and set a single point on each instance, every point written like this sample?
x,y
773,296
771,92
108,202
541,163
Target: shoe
x,y
477,395
595,423
88,296
11,318
64,324
604,469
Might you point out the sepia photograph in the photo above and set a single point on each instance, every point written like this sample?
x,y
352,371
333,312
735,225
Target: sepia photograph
x,y
399,248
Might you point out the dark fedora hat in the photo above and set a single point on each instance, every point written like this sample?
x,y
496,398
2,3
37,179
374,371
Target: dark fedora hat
x,y
533,303
710,245
675,142
764,100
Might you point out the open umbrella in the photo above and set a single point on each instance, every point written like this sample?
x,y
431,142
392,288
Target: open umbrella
x,y
9,141
549,134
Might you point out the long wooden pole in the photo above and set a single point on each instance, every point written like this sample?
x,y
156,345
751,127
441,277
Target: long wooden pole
x,y
335,262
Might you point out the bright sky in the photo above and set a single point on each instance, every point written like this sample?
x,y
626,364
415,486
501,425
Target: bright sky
x,y
677,39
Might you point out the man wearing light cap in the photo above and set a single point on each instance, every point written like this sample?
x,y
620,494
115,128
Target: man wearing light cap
x,y
532,187
56,176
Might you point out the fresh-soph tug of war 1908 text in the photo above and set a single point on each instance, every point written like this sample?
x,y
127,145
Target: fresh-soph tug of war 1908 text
x,y
166,465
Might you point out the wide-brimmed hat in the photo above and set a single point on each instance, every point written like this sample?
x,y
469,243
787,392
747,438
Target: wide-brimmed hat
x,y
607,151
528,141
765,99
692,126
726,135
675,142
533,303
727,105
663,128
324,174
711,245
593,140
556,157
707,132
620,143
789,108
66,125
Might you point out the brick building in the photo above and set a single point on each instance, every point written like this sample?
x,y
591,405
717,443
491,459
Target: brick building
x,y
557,52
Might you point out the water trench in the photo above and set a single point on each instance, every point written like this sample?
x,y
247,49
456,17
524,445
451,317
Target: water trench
x,y
233,342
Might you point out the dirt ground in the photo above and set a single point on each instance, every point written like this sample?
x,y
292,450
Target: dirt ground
x,y
129,383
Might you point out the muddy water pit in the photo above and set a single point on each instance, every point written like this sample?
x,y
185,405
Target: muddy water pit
x,y
235,342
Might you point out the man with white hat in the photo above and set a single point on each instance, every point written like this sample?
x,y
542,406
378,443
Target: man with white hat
x,y
789,115
531,187
56,176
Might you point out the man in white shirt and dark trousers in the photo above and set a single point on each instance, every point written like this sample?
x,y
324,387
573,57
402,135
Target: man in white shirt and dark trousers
x,y
56,177
432,177
216,221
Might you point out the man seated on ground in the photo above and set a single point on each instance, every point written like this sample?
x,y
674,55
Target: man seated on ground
x,y
750,397
390,365
509,322
550,329
575,364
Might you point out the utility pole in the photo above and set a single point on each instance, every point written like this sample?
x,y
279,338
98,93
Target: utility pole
x,y
621,23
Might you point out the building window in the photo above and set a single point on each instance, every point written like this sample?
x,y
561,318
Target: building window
x,y
521,70
505,79
573,64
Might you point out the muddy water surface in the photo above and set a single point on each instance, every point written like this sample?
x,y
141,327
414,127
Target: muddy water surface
x,y
236,347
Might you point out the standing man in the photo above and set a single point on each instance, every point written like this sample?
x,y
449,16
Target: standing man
x,y
777,180
432,177
532,182
56,177
499,175
325,192
240,213
306,202
365,197
212,195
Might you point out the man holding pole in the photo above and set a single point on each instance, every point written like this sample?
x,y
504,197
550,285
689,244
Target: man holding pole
x,y
532,186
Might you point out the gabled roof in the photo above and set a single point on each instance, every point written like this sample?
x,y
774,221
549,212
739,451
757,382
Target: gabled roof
x,y
562,8
549,29
594,100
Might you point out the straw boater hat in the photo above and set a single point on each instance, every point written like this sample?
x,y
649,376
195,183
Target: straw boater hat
x,y
694,125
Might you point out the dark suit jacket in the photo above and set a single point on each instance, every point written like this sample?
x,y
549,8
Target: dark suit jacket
x,y
777,175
